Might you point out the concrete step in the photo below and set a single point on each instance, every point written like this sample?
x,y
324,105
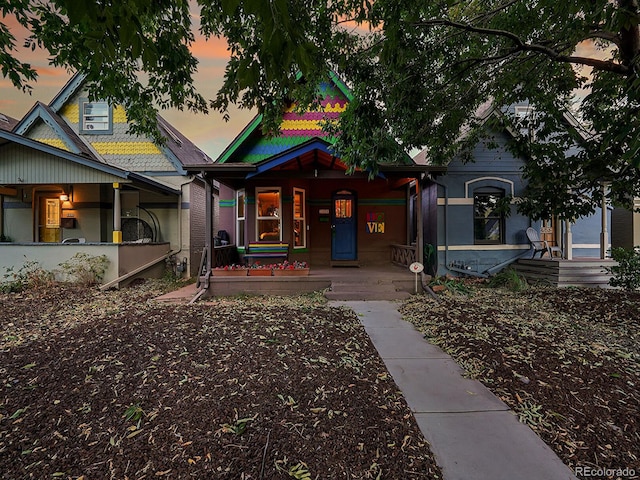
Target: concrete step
x,y
366,295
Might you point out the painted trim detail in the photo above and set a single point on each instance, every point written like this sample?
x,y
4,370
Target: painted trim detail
x,y
468,183
489,247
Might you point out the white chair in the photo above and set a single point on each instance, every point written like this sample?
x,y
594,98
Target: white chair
x,y
75,240
541,246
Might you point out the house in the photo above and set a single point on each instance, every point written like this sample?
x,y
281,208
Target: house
x,y
293,190
73,179
465,230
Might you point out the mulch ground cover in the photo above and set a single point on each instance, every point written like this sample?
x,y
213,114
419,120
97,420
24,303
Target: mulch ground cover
x,y
567,361
113,385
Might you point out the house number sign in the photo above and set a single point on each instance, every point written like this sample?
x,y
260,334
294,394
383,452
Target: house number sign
x,y
375,222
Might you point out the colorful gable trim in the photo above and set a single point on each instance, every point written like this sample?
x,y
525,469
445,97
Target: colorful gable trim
x,y
252,146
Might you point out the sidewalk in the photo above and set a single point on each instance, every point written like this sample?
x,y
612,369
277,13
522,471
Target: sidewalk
x,y
473,434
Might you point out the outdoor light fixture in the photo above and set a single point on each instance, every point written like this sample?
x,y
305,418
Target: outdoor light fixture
x,y
64,197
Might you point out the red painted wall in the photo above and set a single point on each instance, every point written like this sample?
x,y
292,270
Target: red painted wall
x,y
372,197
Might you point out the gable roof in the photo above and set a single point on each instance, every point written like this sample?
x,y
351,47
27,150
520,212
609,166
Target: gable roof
x,y
301,148
252,145
63,131
178,149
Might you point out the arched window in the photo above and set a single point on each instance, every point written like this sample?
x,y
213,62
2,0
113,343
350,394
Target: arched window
x,y
488,216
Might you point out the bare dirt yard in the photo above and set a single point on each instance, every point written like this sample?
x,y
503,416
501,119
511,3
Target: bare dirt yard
x,y
567,361
113,385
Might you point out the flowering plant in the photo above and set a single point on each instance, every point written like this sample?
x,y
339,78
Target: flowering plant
x,y
286,265
233,266
258,265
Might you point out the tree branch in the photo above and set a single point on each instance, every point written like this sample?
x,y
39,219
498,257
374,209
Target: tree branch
x,y
520,45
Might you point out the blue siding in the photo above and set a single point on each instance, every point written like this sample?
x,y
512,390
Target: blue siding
x,y
495,167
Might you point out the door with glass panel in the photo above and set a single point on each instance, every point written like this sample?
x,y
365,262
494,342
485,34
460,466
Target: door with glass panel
x,y
344,226
49,220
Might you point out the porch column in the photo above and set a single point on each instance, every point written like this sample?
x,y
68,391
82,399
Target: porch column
x,y
604,234
568,240
117,212
208,241
420,222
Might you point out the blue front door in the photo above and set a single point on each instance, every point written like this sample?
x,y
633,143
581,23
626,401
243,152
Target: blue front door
x,y
343,226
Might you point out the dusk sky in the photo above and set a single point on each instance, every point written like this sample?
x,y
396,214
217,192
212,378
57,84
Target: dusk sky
x,y
210,132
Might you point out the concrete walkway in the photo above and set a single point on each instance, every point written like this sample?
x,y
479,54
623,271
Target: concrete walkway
x,y
473,434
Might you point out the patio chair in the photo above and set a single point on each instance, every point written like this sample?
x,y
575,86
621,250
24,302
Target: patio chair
x,y
541,246
74,240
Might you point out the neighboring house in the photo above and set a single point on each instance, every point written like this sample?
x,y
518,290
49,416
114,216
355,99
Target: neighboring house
x,y
73,179
293,189
468,232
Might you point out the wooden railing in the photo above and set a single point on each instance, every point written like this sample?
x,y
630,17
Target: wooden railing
x,y
225,255
403,255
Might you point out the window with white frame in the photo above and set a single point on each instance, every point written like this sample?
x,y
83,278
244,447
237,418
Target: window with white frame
x,y
240,213
95,117
525,119
488,216
268,219
299,219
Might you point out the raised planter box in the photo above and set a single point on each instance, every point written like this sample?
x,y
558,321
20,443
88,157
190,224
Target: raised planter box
x,y
259,272
229,273
293,272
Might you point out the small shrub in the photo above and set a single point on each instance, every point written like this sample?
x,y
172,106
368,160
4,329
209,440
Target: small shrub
x,y
84,268
452,285
509,279
30,275
626,274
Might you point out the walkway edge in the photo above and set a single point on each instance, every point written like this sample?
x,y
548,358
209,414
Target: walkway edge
x,y
472,433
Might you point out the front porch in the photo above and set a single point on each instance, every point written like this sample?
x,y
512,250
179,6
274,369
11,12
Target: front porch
x,y
379,282
559,272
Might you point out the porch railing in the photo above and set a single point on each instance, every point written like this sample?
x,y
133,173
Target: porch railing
x,y
403,255
225,255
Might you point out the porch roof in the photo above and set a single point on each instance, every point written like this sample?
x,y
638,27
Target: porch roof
x,y
313,159
111,173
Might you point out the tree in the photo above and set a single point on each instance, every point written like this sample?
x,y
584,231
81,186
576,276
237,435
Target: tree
x,y
419,72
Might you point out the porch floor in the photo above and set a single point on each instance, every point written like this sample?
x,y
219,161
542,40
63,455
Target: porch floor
x,y
381,282
578,272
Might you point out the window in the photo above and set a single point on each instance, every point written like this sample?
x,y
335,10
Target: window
x,y
525,120
269,221
299,219
343,208
488,219
95,117
240,208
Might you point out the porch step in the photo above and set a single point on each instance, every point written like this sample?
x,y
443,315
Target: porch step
x,y
566,273
345,263
371,289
